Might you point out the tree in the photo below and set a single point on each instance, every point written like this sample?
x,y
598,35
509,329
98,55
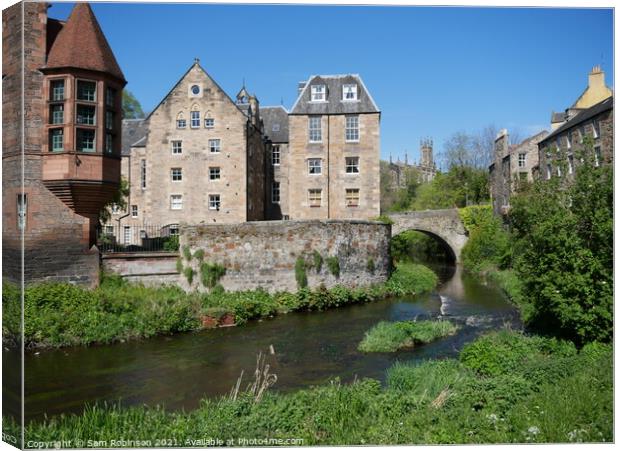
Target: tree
x,y
131,106
119,199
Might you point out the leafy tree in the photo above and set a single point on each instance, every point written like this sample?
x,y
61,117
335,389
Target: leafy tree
x,y
119,199
131,106
563,250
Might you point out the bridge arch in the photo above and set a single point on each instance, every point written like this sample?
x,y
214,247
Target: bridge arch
x,y
444,225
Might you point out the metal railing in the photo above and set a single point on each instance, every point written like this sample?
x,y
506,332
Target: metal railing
x,y
142,238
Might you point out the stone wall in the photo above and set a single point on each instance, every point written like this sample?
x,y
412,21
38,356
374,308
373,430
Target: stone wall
x,y
149,268
263,254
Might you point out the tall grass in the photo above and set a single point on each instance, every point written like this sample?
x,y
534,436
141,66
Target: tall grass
x,y
433,402
390,337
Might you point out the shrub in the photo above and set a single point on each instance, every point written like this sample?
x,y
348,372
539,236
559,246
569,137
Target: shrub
x,y
411,278
199,254
189,274
390,337
385,219
171,243
318,261
187,253
211,273
488,243
333,264
300,273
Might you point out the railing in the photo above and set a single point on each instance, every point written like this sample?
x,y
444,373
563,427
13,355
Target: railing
x,y
142,238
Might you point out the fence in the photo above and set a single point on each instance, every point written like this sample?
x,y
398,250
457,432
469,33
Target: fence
x,y
141,238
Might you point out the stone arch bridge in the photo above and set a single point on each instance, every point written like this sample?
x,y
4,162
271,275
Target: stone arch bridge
x,y
444,225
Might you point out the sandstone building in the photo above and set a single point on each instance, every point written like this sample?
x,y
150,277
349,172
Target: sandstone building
x,y
425,171
275,124
71,141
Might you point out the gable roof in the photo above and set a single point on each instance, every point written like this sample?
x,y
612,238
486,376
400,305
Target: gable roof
x,y
81,44
275,115
582,116
195,64
334,103
134,134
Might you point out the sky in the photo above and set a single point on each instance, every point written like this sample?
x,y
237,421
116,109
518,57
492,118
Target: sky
x,y
433,71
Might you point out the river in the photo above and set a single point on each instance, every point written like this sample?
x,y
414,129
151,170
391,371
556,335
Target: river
x,y
310,349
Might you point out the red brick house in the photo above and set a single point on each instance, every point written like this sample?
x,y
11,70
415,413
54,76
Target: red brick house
x,y
61,141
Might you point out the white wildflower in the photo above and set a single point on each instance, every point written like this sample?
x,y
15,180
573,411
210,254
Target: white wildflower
x,y
533,430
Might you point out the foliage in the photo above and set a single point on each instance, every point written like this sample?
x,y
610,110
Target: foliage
x,y
131,107
435,402
171,243
563,251
119,199
179,265
11,313
188,272
211,273
187,253
411,278
199,255
370,265
413,246
333,264
384,219
390,337
318,261
488,243
300,273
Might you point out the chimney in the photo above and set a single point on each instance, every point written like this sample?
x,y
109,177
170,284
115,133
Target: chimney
x,y
255,113
300,87
596,78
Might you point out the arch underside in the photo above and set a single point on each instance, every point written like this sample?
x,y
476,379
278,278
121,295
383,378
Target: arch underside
x,y
452,252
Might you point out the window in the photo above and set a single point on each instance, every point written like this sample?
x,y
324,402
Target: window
x,y
143,174
214,145
56,140
314,129
181,123
115,209
57,90
275,192
110,97
174,229
176,174
195,90
317,93
582,133
209,122
314,197
596,128
352,131
352,165
569,139
134,211
559,171
522,160
314,166
548,171
109,120
352,197
109,140
109,230
127,234
86,90
571,164
195,119
275,155
85,115
57,114
215,173
349,92
597,156
275,128
22,211
177,147
85,140
176,202
214,202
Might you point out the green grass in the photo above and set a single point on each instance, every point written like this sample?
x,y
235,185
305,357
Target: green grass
x,y
390,337
59,314
431,402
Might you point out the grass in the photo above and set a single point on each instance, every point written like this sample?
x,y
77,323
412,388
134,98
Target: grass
x,y
433,402
390,337
59,315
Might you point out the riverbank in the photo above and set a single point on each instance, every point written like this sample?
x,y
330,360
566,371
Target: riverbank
x,y
59,315
504,388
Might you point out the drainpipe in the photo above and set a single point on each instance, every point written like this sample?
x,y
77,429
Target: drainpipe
x,y
128,196
329,204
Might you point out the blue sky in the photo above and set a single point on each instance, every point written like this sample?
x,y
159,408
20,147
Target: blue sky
x,y
432,71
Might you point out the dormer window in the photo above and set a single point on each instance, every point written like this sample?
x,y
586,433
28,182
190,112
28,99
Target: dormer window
x,y
318,93
349,92
275,128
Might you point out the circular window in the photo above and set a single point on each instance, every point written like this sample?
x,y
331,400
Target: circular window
x,y
195,89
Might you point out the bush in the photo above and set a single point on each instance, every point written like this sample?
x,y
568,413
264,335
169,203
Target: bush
x,y
333,264
187,253
211,273
199,254
390,337
488,243
411,278
318,261
189,274
300,273
171,243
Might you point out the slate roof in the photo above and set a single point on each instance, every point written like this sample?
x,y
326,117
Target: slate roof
x,y
134,134
334,103
275,116
81,44
582,116
557,117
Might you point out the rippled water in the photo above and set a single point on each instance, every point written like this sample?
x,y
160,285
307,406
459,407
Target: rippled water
x,y
310,349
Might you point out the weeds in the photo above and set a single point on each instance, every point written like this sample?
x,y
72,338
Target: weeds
x,y
390,337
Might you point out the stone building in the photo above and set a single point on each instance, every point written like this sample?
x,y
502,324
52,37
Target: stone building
x,y
512,164
275,123
562,150
424,171
334,150
70,149
199,157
